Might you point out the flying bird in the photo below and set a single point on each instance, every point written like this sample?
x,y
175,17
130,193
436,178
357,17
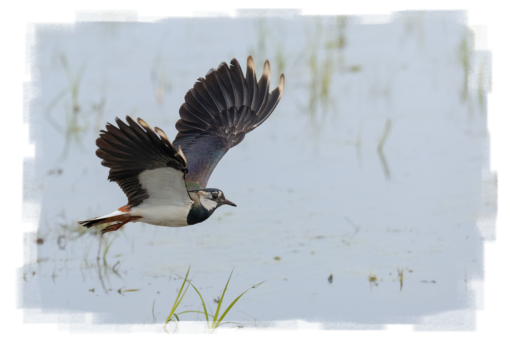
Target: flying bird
x,y
166,183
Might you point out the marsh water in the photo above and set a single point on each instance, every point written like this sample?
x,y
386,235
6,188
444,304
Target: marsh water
x,y
364,200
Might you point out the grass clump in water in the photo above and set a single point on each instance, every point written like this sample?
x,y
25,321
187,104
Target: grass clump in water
x,y
216,319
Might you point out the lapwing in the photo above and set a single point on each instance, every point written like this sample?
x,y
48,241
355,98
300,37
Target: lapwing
x,y
166,183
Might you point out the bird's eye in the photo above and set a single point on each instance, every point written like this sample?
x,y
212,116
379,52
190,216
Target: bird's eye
x,y
214,196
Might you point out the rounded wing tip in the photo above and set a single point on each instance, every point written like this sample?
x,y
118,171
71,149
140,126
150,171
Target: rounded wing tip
x,y
267,69
250,62
143,123
281,85
162,134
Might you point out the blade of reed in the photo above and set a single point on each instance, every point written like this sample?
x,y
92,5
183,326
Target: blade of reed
x,y
178,299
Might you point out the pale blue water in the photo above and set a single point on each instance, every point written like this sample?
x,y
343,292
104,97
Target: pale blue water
x,y
310,186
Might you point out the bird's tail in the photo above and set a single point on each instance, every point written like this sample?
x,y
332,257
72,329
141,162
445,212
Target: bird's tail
x,y
116,216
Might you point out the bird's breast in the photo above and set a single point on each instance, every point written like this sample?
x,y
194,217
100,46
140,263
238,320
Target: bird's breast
x,y
162,215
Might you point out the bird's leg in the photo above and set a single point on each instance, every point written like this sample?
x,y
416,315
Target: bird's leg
x,y
117,226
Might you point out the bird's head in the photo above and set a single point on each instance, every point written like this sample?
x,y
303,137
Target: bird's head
x,y
211,199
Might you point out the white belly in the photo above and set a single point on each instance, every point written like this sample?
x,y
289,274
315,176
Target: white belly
x,y
163,215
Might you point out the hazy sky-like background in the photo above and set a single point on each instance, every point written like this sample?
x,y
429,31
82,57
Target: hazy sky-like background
x,y
374,170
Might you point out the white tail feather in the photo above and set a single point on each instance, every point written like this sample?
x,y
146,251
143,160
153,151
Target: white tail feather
x,y
97,220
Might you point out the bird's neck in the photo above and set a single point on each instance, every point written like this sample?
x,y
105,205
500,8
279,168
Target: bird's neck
x,y
198,213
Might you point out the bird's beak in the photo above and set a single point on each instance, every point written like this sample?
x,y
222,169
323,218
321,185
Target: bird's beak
x,y
226,201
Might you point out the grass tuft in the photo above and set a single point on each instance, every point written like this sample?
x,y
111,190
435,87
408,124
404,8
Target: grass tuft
x,y
212,321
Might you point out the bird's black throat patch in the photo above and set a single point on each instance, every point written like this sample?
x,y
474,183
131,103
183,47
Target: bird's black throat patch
x,y
198,214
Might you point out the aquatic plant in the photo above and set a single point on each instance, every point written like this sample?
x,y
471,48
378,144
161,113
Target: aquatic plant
x,y
217,319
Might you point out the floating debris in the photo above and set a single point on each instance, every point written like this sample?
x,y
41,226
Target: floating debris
x,y
330,278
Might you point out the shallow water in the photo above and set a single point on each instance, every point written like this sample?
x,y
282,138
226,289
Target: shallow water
x,y
315,196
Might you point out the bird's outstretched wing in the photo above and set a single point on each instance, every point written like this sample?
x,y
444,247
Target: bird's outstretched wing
x,y
217,113
144,163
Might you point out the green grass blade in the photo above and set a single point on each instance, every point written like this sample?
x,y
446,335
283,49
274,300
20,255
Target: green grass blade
x,y
214,323
178,300
203,305
235,301
192,311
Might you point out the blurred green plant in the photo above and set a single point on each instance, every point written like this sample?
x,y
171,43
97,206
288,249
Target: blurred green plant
x,y
476,70
321,69
372,278
464,59
338,42
108,243
262,35
318,87
401,277
74,122
380,146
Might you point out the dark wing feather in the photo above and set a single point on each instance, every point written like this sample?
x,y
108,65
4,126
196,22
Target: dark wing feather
x,y
217,113
130,149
